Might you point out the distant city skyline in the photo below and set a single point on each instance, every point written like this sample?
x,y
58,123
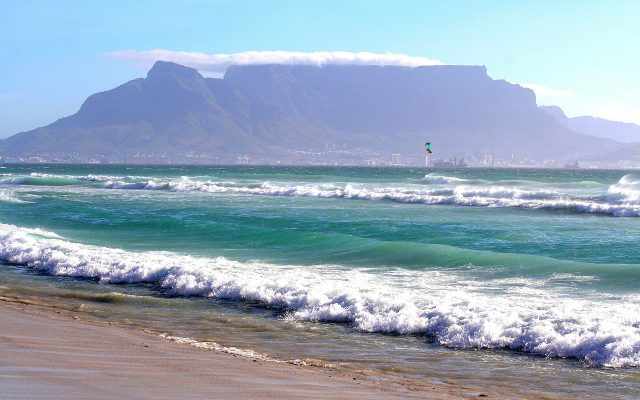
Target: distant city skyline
x,y
580,55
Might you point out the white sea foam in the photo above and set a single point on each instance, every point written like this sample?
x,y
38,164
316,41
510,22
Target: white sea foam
x,y
8,197
218,347
248,353
441,179
147,185
99,178
624,205
435,303
626,191
22,179
621,199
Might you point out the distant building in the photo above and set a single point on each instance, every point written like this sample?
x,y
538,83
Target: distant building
x,y
451,163
574,165
243,160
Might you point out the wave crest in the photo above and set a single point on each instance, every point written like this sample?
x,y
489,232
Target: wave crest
x,y
464,195
620,200
626,191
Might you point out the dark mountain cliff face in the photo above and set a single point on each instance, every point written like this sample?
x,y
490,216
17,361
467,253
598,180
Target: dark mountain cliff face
x,y
269,110
388,99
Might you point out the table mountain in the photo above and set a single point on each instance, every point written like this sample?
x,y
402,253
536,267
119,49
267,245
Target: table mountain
x,y
271,112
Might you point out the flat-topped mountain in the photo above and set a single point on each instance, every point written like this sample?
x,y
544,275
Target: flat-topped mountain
x,y
271,112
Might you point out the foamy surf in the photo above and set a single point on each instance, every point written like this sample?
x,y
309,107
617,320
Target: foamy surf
x,y
434,179
9,197
621,199
247,353
535,320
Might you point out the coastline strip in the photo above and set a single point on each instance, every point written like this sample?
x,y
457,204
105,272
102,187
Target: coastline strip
x,y
49,355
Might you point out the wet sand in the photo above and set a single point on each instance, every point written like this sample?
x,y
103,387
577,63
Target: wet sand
x,y
52,355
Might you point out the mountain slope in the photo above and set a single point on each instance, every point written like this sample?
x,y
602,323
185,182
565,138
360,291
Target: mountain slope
x,y
604,128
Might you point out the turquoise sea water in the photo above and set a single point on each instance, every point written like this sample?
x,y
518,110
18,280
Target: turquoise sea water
x,y
424,276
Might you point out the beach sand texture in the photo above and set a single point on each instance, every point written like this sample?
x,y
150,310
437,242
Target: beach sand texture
x,y
49,356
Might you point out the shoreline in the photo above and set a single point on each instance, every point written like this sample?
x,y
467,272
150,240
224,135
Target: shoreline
x,y
57,355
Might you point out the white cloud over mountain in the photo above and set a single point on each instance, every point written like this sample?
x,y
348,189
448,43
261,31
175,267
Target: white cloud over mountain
x,y
217,64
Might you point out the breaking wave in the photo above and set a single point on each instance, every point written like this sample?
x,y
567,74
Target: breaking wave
x,y
626,191
442,179
433,303
621,199
8,197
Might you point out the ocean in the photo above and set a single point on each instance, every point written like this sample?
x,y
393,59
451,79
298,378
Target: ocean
x,y
521,279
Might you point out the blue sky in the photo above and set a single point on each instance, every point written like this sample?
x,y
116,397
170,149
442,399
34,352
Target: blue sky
x,y
55,54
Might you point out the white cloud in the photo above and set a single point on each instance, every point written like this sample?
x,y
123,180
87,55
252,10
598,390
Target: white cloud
x,y
544,91
217,64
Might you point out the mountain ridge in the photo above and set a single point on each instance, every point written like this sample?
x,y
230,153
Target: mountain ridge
x,y
625,132
272,112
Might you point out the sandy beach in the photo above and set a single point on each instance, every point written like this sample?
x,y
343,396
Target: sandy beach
x,y
58,356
